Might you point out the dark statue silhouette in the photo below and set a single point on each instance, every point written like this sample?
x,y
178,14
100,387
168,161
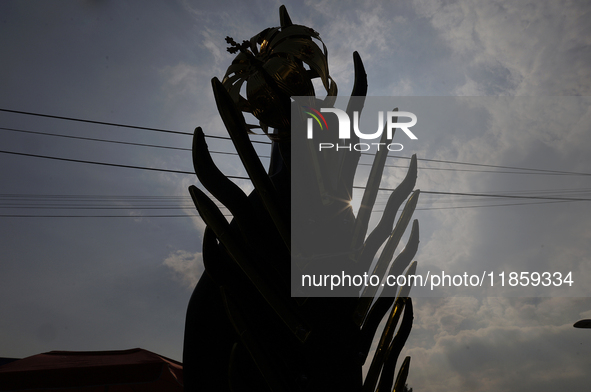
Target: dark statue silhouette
x,y
244,331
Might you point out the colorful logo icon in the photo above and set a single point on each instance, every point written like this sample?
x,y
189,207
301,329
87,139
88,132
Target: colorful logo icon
x,y
315,115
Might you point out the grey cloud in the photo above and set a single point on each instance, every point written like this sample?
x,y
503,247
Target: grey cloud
x,y
187,267
517,47
509,344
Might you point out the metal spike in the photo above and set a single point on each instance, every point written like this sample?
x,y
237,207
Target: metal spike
x,y
387,375
382,304
369,195
405,257
402,375
384,227
350,160
386,256
228,193
375,368
234,122
284,18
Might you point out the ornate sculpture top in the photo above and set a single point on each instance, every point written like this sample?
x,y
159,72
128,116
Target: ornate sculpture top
x,y
273,65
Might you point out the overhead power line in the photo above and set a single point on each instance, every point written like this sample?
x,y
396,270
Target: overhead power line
x,y
97,163
117,125
492,166
100,216
232,153
96,122
6,202
489,195
25,202
247,178
229,215
505,196
522,169
133,204
543,172
116,141
110,164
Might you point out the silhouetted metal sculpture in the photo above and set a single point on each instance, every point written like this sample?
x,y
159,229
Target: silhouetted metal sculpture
x,y
244,331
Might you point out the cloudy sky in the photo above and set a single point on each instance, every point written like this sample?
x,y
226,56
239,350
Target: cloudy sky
x,y
97,257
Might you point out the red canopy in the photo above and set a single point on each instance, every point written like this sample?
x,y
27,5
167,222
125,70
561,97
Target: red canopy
x,y
90,371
